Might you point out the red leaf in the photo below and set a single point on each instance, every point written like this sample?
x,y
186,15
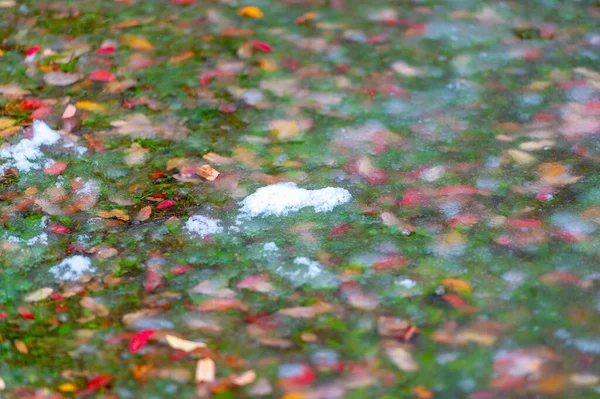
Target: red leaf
x,y
3,315
153,279
413,197
102,76
30,103
261,46
106,50
55,168
25,313
389,262
55,296
524,223
41,113
32,50
166,204
339,229
139,340
96,383
181,270
59,229
458,190
207,76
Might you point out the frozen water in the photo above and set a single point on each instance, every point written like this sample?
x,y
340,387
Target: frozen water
x,y
282,198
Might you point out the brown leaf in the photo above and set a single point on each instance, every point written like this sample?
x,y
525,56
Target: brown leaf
x,y
58,78
13,92
207,172
402,358
144,214
21,347
93,306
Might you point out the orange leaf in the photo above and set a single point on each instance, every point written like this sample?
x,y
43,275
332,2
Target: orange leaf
x,y
455,284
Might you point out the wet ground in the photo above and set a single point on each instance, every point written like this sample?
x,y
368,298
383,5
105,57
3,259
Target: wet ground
x,y
299,199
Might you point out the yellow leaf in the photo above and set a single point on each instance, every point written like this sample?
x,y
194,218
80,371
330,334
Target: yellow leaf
x,y
1,53
293,396
250,12
174,163
90,106
39,295
7,122
136,42
67,387
183,344
115,213
267,65
455,284
205,370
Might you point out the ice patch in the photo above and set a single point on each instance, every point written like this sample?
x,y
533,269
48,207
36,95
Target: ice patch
x,y
282,198
23,154
73,268
309,272
203,226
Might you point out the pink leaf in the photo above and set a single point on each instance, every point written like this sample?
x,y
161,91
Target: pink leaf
x,y
102,76
69,111
262,46
59,229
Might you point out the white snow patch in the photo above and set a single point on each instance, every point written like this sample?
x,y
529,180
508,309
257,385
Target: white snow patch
x,y
73,268
270,246
23,154
41,238
283,198
203,226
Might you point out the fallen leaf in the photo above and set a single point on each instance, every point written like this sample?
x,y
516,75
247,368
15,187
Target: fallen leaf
x,y
144,214
58,78
250,12
455,284
12,91
69,111
136,42
90,106
21,347
39,295
402,358
102,76
205,371
139,340
7,122
207,172
136,155
246,378
67,387
183,344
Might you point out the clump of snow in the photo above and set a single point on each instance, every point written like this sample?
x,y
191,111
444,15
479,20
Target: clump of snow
x,y
203,226
283,198
23,155
309,272
41,238
73,268
270,246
